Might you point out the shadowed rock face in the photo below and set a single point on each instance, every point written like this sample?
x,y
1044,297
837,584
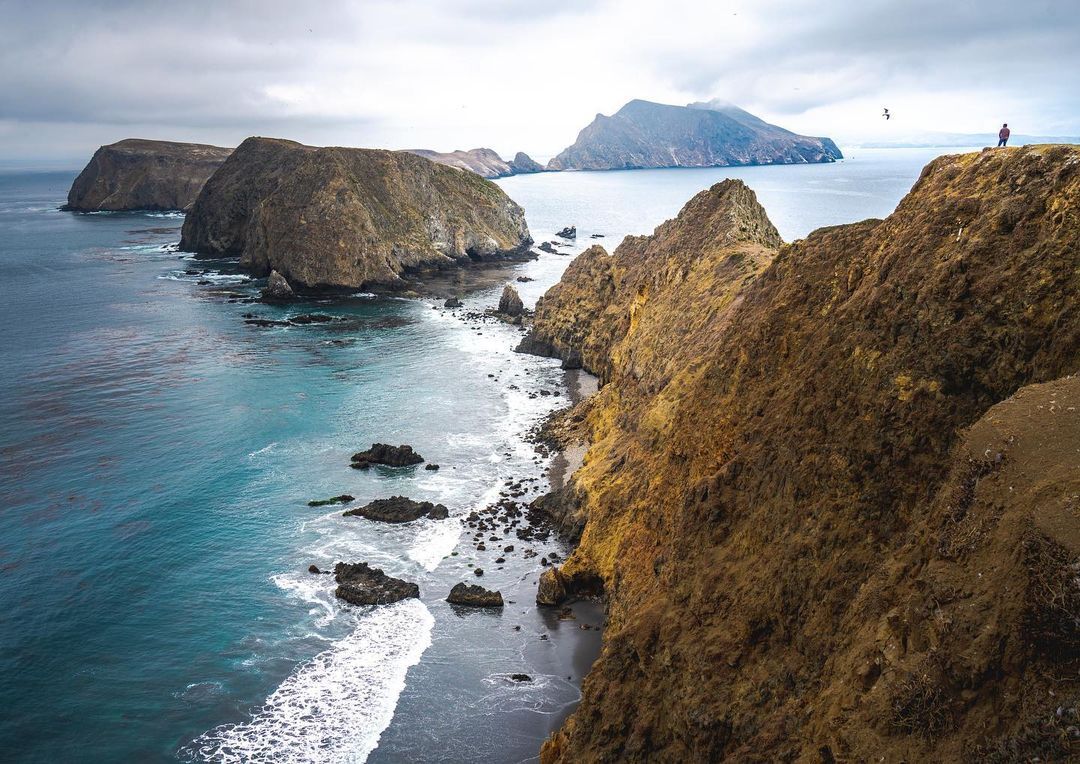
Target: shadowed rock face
x,y
136,174
832,485
484,162
474,596
646,134
338,217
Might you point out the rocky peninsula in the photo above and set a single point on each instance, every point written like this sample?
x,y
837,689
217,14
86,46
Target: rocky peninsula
x,y
349,218
713,134
137,174
831,491
484,162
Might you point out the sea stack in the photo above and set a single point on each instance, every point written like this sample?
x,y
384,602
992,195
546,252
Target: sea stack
x,y
714,134
831,487
349,218
137,174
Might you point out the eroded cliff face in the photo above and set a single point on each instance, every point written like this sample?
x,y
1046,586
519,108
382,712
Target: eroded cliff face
x,y
833,497
339,217
136,174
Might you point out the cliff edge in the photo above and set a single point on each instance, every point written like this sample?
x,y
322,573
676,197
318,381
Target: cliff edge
x,y
136,174
832,486
342,217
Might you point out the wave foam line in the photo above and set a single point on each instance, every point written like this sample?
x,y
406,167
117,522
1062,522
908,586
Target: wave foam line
x,y
335,707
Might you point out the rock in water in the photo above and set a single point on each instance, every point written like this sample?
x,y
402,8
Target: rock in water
x,y
523,164
277,289
510,303
388,456
349,218
552,588
474,596
359,584
452,302
570,232
548,247
342,499
399,509
645,134
136,174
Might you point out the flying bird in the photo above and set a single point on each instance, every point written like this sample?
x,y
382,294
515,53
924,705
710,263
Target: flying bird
x,y
886,114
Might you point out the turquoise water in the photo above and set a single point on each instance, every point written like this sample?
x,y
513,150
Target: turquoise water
x,y
157,454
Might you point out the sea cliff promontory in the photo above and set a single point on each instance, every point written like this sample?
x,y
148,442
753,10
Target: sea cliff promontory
x,y
342,217
484,162
137,174
832,487
712,134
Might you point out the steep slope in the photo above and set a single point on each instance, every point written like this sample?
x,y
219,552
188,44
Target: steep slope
x,y
646,134
484,162
338,217
805,555
136,174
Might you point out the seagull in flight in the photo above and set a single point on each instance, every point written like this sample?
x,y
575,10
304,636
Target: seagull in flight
x,y
886,114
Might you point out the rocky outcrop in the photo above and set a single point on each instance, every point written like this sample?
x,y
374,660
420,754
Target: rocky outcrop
x,y
360,584
387,456
342,499
277,289
510,303
645,134
570,232
136,174
484,162
831,484
474,596
523,164
349,218
399,509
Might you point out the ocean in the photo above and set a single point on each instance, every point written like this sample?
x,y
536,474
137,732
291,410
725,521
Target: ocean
x,y
157,454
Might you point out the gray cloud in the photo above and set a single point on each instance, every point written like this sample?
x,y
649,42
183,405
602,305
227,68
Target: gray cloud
x,y
519,74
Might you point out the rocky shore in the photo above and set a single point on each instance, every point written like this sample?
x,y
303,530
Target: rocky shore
x,y
829,491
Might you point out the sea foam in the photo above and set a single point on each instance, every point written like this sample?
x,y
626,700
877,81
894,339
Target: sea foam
x,y
334,707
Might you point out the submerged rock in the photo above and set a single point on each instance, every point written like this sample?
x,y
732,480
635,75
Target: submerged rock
x,y
520,678
399,509
389,456
510,303
137,174
277,289
360,584
342,499
474,596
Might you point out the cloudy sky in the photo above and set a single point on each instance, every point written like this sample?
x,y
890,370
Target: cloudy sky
x,y
522,75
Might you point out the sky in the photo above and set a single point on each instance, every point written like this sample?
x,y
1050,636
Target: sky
x,y
522,76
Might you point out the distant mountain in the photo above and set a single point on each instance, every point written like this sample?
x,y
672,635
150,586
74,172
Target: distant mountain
x,y
713,134
484,162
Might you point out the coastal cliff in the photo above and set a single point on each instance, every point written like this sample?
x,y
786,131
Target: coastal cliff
x,y
136,174
831,491
714,134
341,217
484,162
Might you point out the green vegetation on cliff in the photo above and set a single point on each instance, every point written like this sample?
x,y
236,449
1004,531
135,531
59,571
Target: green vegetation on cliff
x,y
832,485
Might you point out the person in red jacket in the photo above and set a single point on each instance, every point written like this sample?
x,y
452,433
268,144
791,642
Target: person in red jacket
x,y
1003,134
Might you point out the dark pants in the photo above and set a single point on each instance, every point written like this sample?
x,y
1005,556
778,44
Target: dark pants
x,y
1002,141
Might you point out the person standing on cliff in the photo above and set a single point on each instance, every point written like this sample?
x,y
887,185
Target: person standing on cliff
x,y
1003,135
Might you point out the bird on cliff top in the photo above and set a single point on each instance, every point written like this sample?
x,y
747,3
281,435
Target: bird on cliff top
x,y
886,114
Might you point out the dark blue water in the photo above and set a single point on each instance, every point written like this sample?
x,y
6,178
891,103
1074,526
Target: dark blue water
x,y
157,454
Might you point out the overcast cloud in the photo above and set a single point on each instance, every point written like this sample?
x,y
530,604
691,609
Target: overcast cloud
x,y
519,75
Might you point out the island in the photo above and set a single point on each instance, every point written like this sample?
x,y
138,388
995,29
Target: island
x,y
708,134
138,174
345,218
484,162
